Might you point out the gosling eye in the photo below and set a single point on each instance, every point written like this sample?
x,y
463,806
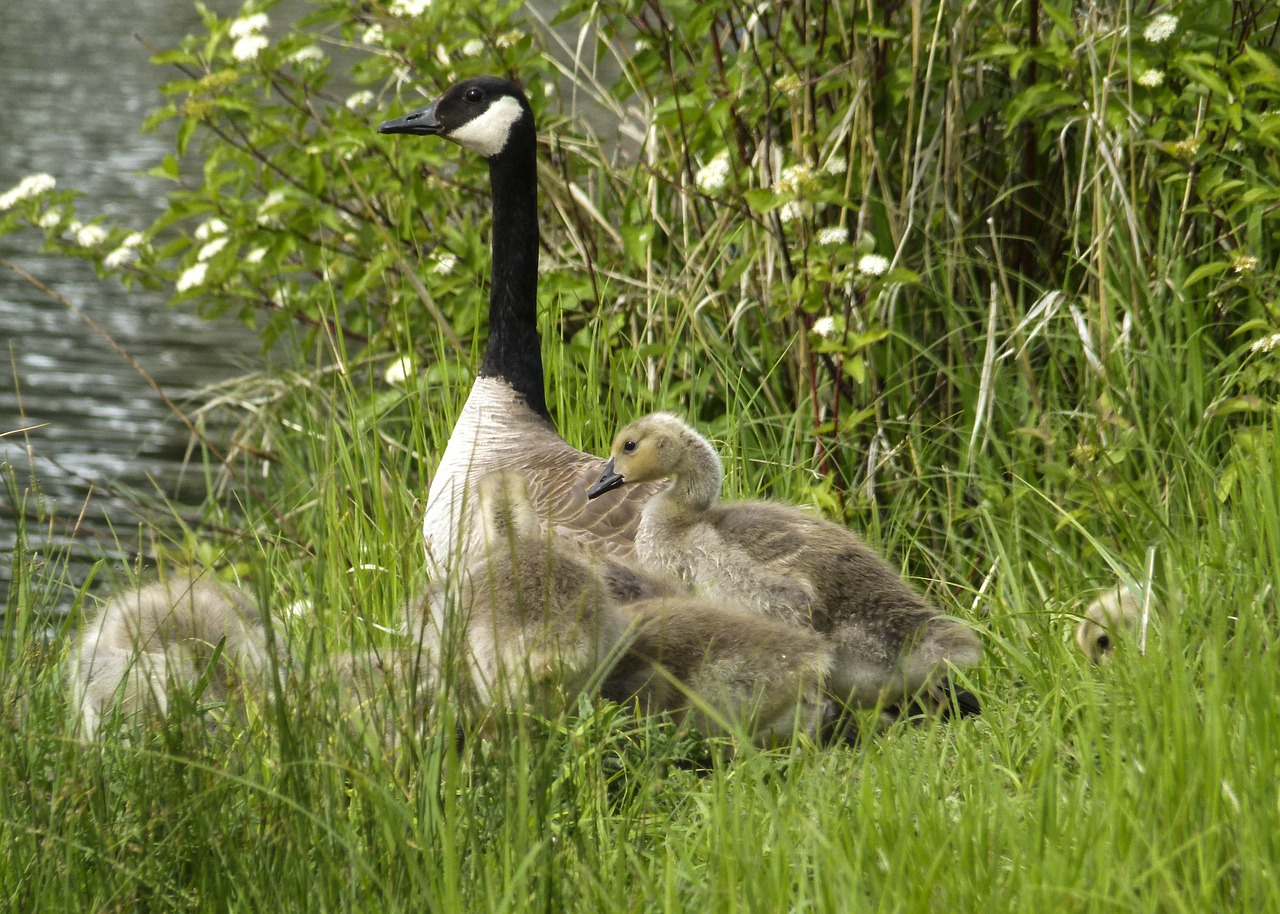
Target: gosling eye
x,y
474,94
629,447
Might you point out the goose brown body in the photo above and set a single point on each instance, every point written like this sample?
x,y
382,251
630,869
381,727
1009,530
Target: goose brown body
x,y
787,564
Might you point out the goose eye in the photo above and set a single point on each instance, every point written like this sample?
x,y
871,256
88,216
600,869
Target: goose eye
x,y
474,95
629,447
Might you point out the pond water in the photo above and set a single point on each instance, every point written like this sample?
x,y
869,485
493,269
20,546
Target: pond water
x,y
75,86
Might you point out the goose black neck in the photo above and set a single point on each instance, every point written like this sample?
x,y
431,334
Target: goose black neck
x,y
514,352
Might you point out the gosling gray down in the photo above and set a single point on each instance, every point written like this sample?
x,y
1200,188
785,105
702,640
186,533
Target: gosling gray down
x,y
539,621
725,668
1109,618
782,562
146,643
505,423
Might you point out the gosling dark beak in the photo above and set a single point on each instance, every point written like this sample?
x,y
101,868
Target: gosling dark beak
x,y
416,123
608,481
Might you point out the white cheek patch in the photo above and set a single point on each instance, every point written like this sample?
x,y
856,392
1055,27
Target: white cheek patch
x,y
488,133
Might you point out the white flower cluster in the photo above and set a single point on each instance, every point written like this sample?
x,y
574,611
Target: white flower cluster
x,y
269,202
126,252
90,236
212,248
408,8
795,179
1266,344
28,187
249,40
1152,79
836,165
252,24
473,47
191,277
210,227
833,234
444,264
825,327
357,100
255,256
309,54
712,177
1161,28
1243,263
372,36
51,218
872,264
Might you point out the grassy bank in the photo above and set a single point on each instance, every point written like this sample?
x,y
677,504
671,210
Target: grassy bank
x,y
1063,374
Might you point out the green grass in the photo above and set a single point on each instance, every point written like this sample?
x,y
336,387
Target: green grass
x,y
1014,461
1145,784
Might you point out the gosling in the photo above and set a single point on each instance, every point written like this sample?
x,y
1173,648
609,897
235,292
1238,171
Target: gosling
x,y
728,670
785,563
1108,619
539,621
147,643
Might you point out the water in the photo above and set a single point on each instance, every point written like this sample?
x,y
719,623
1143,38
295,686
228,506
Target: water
x,y
75,86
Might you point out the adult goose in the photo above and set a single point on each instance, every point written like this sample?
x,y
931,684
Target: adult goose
x,y
783,562
505,423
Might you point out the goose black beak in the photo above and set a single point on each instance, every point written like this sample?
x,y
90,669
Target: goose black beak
x,y
416,123
608,481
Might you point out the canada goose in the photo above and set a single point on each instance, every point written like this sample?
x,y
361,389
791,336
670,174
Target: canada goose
x,y
538,619
1110,617
148,641
686,654
782,562
505,423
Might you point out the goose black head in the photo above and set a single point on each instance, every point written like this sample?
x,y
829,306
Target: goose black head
x,y
479,114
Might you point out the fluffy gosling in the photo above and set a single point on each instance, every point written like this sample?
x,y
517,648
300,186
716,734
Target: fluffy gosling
x,y
146,643
782,562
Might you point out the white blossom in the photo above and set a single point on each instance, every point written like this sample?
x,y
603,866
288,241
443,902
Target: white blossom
x,y
790,212
28,187
119,257
398,371
833,234
872,264
472,48
444,264
309,54
795,179
209,228
269,202
712,177
409,7
372,36
1160,28
90,236
133,240
191,277
249,25
836,165
509,39
212,248
1244,263
255,256
50,219
357,100
825,327
1266,344
249,47
1151,78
